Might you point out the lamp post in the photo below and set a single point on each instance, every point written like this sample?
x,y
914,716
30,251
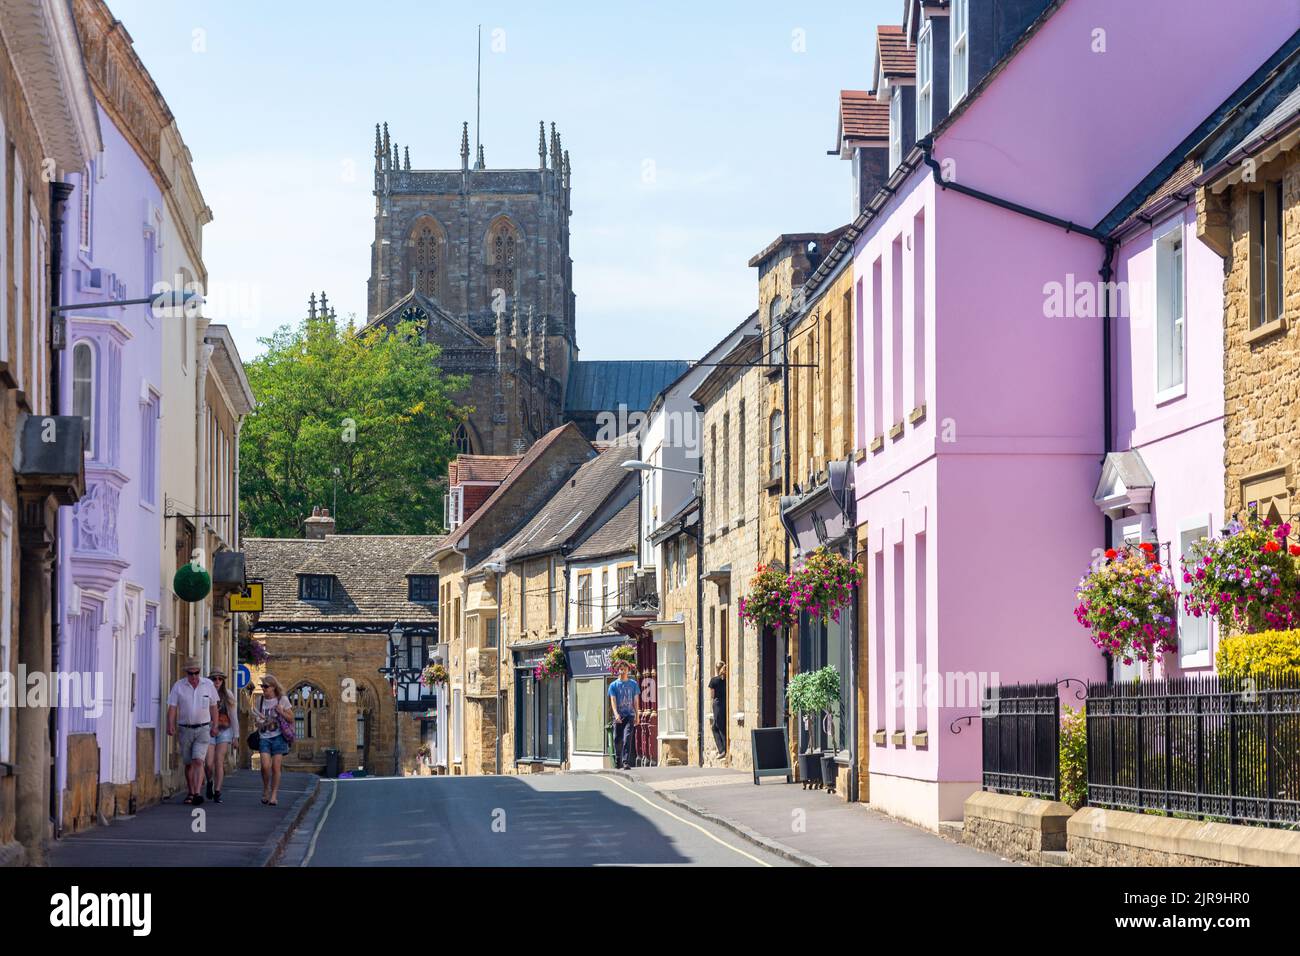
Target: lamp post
x,y
403,667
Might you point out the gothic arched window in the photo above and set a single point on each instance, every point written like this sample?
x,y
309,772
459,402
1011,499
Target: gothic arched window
x,y
503,250
425,256
461,440
307,703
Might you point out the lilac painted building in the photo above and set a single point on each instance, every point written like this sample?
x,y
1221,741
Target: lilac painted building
x,y
979,348
109,566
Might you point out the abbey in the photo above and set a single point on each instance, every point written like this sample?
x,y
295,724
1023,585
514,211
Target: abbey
x,y
481,257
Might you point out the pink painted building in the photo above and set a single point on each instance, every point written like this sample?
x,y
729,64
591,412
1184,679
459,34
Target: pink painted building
x,y
980,351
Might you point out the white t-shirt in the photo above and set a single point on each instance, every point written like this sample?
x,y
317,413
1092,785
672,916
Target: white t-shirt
x,y
270,706
193,703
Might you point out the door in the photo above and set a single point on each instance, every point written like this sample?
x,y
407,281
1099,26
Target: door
x,y
646,736
770,689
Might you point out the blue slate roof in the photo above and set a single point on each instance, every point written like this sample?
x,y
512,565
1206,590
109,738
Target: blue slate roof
x,y
603,386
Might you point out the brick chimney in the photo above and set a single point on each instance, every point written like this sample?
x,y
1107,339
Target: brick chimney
x,y
319,524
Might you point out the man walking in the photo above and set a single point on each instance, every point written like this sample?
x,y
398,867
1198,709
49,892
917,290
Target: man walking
x,y
623,696
192,708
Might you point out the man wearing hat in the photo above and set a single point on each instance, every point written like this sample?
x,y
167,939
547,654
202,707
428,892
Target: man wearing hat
x,y
192,707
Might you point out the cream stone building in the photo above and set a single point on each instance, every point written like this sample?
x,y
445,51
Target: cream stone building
x,y
732,397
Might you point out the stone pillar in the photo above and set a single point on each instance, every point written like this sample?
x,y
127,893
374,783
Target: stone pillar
x,y
36,540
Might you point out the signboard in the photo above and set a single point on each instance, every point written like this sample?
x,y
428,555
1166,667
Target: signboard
x,y
770,747
243,677
249,599
590,661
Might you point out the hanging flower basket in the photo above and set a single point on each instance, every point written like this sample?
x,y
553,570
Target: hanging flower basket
x,y
433,675
1246,578
551,665
770,599
624,653
823,587
1129,603
253,652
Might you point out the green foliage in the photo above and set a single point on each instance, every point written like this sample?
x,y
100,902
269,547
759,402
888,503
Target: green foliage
x,y
373,404
191,583
1261,654
623,654
1074,756
814,692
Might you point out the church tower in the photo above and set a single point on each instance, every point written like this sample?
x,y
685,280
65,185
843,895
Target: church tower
x,y
481,257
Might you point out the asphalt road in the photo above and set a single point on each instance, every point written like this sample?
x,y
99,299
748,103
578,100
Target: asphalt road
x,y
542,820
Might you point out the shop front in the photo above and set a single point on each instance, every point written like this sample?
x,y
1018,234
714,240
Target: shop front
x,y
591,730
539,710
824,518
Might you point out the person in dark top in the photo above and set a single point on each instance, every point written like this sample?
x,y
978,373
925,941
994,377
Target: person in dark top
x,y
718,685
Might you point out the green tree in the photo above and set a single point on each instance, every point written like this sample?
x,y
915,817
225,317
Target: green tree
x,y
373,404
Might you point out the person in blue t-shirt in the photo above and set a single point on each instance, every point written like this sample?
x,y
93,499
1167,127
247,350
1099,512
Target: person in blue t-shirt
x,y
623,696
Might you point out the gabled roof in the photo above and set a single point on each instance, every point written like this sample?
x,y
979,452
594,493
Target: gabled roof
x,y
481,467
443,327
862,117
606,385
519,473
563,519
369,571
894,57
616,536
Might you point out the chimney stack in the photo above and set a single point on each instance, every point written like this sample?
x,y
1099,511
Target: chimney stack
x,y
319,524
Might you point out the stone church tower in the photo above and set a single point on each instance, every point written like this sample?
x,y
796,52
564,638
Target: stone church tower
x,y
481,257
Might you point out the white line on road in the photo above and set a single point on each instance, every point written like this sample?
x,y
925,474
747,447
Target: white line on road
x,y
663,809
311,847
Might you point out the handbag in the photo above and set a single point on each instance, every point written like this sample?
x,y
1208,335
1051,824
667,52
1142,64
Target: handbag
x,y
286,726
254,741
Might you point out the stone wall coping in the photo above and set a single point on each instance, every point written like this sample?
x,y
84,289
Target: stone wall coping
x,y
1223,842
1046,816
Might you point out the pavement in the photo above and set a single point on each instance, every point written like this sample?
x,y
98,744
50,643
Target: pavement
x,y
538,820
809,827
239,831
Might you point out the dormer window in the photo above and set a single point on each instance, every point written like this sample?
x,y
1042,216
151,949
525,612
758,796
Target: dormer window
x,y
925,81
422,588
896,128
315,587
959,62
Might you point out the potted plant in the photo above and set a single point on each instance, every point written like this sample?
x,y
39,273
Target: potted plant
x,y
1128,602
813,694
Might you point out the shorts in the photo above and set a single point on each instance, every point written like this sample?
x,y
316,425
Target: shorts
x,y
226,736
274,746
194,742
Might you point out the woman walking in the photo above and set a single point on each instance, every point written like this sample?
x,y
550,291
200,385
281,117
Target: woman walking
x,y
273,745
718,686
227,733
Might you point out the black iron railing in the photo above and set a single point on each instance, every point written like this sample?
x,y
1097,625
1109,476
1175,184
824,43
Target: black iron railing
x,y
1021,725
1202,746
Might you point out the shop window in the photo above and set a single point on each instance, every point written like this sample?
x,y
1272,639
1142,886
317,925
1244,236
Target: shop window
x,y
591,715
539,718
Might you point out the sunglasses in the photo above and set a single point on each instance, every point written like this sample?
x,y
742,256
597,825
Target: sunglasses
x,y
191,673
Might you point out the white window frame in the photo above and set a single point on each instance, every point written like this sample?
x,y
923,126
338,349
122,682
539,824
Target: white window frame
x,y
959,59
925,80
89,431
1168,327
895,127
668,641
1201,657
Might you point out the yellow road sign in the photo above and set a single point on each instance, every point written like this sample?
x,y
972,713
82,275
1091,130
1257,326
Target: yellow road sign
x,y
249,599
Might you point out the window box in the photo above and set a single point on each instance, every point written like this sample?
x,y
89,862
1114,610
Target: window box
x,y
879,738
895,431
877,443
898,738
917,414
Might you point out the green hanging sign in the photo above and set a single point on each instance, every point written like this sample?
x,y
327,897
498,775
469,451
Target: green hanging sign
x,y
191,583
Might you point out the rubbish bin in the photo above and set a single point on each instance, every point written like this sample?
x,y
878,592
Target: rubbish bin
x,y
333,762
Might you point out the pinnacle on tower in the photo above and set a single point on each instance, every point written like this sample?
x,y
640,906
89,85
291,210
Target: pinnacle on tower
x,y
541,144
555,147
324,305
407,150
479,164
396,163
464,146
311,306
385,144
567,170
376,146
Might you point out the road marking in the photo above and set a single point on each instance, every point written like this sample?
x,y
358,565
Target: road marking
x,y
311,847
689,823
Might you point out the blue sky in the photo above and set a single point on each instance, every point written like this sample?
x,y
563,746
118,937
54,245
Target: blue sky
x,y
697,131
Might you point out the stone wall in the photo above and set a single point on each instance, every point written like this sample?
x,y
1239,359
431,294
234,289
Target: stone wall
x,y
1018,828
1098,837
1261,380
81,793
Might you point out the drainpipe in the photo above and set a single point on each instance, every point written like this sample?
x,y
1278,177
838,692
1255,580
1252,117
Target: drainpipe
x,y
699,627
59,194
1108,244
785,487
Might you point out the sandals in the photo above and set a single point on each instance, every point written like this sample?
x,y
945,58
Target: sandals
x,y
275,803
189,799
